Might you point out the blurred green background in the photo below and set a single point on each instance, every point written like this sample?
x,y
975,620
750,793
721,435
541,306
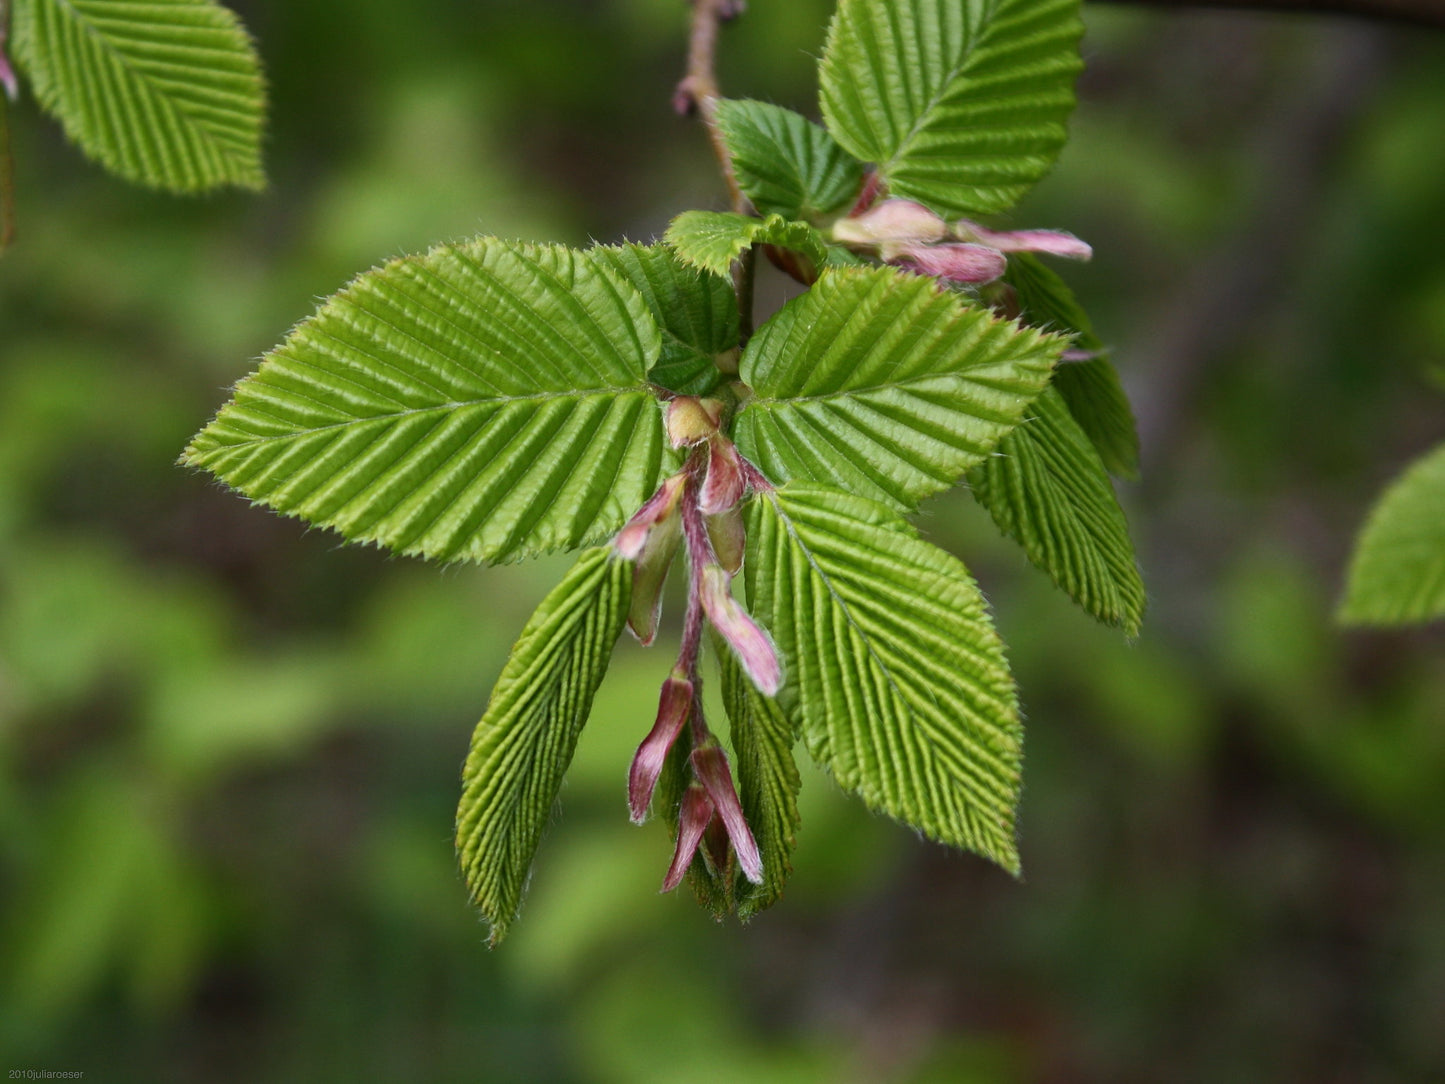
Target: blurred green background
x,y
230,746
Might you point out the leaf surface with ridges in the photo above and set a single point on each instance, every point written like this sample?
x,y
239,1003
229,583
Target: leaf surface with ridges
x,y
883,384
485,401
712,240
786,164
893,664
962,104
166,93
1047,489
525,740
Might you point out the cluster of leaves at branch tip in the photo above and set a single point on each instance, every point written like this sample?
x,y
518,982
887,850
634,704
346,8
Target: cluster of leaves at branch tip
x,y
493,400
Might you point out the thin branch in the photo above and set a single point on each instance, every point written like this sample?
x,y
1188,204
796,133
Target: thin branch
x,y
1422,12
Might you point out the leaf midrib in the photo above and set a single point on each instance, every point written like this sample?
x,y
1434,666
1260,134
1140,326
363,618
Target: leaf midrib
x,y
966,55
228,154
540,397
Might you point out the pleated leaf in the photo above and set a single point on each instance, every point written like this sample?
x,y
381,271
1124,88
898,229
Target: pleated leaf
x,y
1091,388
696,311
712,240
166,93
486,401
1047,489
961,103
786,164
524,743
763,735
885,385
1397,574
893,664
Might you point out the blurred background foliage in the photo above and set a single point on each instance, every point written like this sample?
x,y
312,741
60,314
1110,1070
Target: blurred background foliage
x,y
229,746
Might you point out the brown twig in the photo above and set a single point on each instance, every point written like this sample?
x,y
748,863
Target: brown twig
x,y
697,95
1422,12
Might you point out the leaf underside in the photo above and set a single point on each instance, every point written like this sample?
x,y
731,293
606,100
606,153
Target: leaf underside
x,y
763,735
883,384
1397,574
525,740
696,311
1047,489
786,164
712,240
894,667
485,401
166,93
962,105
1091,389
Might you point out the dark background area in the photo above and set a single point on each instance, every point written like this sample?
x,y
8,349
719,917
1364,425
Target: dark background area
x,y
230,746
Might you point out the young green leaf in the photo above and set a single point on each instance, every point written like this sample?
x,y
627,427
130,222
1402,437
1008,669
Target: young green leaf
x,y
166,93
1047,489
961,103
886,385
696,311
524,743
712,240
763,735
786,164
1397,575
1091,388
893,664
487,400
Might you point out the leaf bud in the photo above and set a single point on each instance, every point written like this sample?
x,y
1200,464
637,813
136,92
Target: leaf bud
x,y
894,220
693,816
674,707
724,485
691,420
754,650
711,765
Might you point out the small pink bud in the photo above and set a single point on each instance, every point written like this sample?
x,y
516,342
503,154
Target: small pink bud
x,y
7,73
649,577
967,263
693,816
723,487
891,220
659,508
1049,242
751,644
728,537
674,707
691,420
711,765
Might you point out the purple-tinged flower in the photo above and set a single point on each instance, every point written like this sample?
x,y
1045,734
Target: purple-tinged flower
x,y
1048,242
693,816
728,537
658,509
893,220
674,707
954,262
724,485
710,764
691,420
750,643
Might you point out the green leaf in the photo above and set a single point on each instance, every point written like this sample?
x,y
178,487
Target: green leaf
x,y
1397,575
696,311
524,743
712,240
893,664
166,93
786,164
1091,388
768,782
961,103
1047,489
886,385
487,400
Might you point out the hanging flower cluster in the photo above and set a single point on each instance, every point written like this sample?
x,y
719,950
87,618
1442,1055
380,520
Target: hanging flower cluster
x,y
910,236
699,509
